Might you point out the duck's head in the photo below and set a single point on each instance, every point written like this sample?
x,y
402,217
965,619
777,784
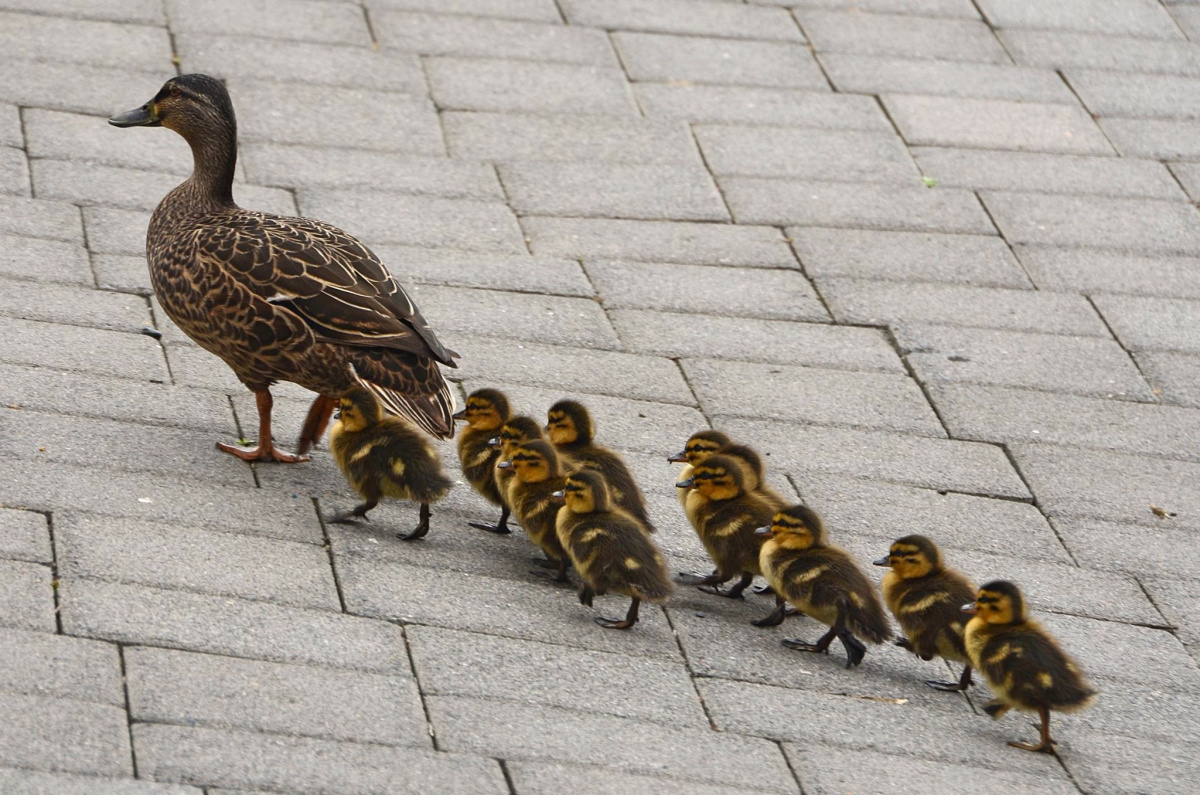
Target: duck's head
x,y
998,602
515,431
700,446
718,478
797,527
568,422
586,492
486,410
533,462
188,104
912,556
358,409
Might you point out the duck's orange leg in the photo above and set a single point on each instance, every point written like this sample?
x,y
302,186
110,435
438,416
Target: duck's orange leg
x,y
266,450
315,423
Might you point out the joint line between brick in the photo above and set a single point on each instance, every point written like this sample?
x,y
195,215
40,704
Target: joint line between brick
x,y
128,708
412,663
337,581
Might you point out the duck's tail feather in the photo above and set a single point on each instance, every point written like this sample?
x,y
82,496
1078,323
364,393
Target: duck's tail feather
x,y
432,413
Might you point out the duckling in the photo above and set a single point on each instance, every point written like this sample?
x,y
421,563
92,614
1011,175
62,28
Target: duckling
x,y
570,428
384,456
924,596
823,582
725,516
609,549
486,411
1024,665
700,446
515,431
537,475
704,444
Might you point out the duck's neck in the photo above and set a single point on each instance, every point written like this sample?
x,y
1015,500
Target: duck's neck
x,y
214,160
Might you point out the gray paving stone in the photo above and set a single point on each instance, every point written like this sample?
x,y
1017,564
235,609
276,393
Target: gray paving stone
x,y
1125,224
483,37
515,86
863,74
14,172
60,735
1145,552
457,311
823,397
417,220
509,137
1112,17
124,273
41,260
1136,710
41,664
1152,323
681,17
901,36
50,38
1111,486
229,693
928,8
751,339
310,20
223,564
230,57
73,136
11,133
32,782
1111,765
1178,600
540,733
738,292
113,231
26,597
1136,656
694,59
34,218
1174,376
1054,363
995,124
1187,19
246,759
617,190
79,88
1158,139
1137,95
658,241
195,367
862,724
876,455
836,155
546,275
82,349
539,10
854,205
551,675
750,105
1065,50
545,778
1042,173
825,770
234,627
907,257
1189,177
1090,271
24,535
862,508
73,306
877,303
1009,415
146,12
350,117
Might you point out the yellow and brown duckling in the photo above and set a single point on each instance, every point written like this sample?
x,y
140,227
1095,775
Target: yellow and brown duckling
x,y
384,456
702,445
569,426
823,582
537,475
610,549
926,596
486,411
1022,663
699,447
515,432
725,516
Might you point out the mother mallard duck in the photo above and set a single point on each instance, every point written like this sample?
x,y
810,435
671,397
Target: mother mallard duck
x,y
278,298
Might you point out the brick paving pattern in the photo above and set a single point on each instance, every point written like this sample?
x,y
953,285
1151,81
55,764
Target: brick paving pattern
x,y
939,260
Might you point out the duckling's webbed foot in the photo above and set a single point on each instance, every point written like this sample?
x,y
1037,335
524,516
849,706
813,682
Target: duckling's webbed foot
x,y
776,617
630,619
359,512
586,594
856,650
716,578
963,683
559,576
500,527
733,593
1046,746
820,647
422,527
763,590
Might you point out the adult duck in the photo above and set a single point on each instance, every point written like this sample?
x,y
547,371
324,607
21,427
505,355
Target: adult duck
x,y
279,298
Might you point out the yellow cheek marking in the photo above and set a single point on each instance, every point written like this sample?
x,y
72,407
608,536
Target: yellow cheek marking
x,y
1046,679
630,563
811,574
364,452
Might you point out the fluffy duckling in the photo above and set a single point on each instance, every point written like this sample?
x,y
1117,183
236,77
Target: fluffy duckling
x,y
823,582
609,548
486,411
725,516
1024,665
537,476
702,445
515,432
569,426
925,597
699,447
384,456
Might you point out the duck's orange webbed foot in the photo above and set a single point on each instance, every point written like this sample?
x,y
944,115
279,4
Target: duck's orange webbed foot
x,y
261,454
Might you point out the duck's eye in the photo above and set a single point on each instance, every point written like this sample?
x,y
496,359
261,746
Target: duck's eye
x,y
175,92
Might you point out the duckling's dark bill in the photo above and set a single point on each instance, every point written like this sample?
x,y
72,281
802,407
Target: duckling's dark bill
x,y
138,117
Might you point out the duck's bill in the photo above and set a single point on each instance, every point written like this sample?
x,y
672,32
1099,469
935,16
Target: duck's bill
x,y
138,117
969,607
886,560
678,458
504,465
763,531
559,495
686,484
458,415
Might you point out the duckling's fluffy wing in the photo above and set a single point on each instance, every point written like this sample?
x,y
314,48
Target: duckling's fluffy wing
x,y
1040,673
326,276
